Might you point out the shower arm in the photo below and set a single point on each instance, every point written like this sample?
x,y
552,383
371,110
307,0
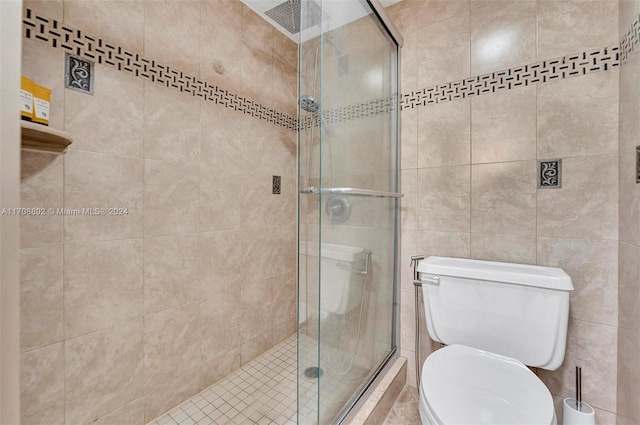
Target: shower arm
x,y
349,191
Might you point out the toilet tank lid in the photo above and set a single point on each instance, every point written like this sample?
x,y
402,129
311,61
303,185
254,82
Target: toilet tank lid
x,y
520,274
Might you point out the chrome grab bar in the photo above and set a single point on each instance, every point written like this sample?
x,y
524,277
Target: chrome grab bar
x,y
350,191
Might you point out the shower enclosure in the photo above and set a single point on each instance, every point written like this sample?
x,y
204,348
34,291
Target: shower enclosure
x,y
348,203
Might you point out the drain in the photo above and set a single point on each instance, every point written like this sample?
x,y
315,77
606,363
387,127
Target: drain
x,y
313,372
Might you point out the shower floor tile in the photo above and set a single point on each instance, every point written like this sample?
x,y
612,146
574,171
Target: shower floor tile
x,y
264,390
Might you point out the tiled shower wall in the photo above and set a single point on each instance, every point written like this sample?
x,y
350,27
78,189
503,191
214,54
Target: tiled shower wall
x,y
125,317
629,254
469,164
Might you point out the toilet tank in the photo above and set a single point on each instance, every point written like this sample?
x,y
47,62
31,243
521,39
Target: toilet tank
x,y
516,310
342,275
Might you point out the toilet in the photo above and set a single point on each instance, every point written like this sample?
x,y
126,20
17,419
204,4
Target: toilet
x,y
495,320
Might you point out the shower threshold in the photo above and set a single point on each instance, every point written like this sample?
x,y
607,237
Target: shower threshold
x,y
264,391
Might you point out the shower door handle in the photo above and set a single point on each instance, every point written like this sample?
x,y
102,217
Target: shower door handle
x,y
350,191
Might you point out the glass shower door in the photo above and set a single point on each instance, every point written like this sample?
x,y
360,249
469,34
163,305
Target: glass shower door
x,y
348,204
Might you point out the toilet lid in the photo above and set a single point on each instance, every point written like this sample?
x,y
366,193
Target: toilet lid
x,y
464,385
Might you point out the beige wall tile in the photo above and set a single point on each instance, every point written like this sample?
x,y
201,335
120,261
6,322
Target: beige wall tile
x,y
40,297
409,138
507,248
629,198
118,22
444,134
171,272
169,395
629,292
219,324
103,371
503,198
444,244
172,33
408,204
50,8
444,199
593,268
218,269
171,124
253,348
273,249
42,386
629,104
41,186
504,126
45,66
283,294
578,116
432,11
256,304
170,197
285,88
221,145
257,73
593,347
102,285
622,420
256,31
573,26
260,207
285,50
102,181
110,121
219,367
172,345
444,51
587,204
628,378
285,329
404,16
629,11
220,42
408,248
503,35
130,414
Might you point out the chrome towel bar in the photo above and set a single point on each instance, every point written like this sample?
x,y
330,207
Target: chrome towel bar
x,y
349,191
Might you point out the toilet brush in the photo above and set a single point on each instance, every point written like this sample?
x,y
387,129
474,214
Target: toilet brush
x,y
574,410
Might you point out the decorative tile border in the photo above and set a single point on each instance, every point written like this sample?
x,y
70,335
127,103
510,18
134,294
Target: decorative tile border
x,y
85,46
630,40
520,76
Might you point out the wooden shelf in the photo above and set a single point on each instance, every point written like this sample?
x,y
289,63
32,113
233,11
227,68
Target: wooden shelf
x,y
41,138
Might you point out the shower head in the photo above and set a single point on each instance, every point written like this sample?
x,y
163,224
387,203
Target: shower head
x,y
309,103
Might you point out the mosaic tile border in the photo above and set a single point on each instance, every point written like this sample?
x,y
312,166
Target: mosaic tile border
x,y
630,40
86,46
78,43
540,72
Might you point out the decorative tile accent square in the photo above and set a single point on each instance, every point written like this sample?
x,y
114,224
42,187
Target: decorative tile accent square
x,y
638,164
550,174
275,185
78,74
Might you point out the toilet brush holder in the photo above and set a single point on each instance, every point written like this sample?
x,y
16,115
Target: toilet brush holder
x,y
574,410
574,414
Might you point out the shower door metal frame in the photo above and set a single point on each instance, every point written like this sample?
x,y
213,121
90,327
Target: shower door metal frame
x,y
394,34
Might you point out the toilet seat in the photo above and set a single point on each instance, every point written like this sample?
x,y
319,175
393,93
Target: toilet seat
x,y
464,385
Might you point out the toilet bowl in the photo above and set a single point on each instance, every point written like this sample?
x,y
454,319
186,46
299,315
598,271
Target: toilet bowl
x,y
464,385
496,319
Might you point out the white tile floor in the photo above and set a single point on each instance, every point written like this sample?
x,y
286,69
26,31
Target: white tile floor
x,y
264,390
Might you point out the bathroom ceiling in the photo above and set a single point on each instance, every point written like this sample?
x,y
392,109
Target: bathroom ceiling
x,y
336,14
